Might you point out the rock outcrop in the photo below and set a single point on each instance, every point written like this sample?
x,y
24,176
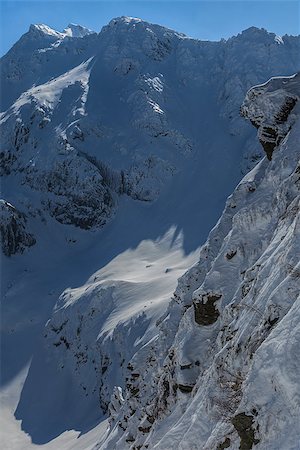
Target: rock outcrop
x,y
272,108
15,237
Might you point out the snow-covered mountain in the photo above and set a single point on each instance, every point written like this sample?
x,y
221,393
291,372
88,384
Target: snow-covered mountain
x,y
118,151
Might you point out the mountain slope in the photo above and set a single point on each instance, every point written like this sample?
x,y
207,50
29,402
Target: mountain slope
x,y
223,371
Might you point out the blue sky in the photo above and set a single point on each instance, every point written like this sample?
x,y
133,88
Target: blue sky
x,y
199,19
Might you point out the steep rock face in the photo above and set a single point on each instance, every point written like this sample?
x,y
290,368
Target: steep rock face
x,y
71,187
13,229
236,375
272,108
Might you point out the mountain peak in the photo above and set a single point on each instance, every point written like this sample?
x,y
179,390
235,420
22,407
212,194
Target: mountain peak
x,y
72,30
42,29
255,32
253,29
125,20
125,23
76,30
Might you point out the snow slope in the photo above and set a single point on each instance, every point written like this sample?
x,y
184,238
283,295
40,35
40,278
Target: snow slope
x,y
118,152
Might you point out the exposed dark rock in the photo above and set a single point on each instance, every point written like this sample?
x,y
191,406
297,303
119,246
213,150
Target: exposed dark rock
x,y
14,235
7,159
231,254
135,375
185,388
145,429
134,391
205,310
59,328
269,140
271,322
225,444
243,424
285,110
186,366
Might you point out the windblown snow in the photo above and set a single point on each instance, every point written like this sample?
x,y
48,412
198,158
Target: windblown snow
x,y
118,151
